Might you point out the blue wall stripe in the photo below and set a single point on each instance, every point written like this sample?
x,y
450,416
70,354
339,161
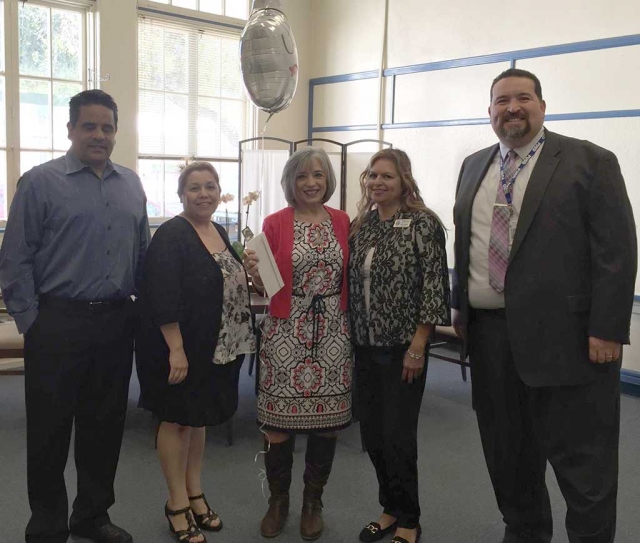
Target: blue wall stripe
x,y
630,376
614,114
347,128
511,57
393,100
356,76
583,115
630,382
310,114
431,124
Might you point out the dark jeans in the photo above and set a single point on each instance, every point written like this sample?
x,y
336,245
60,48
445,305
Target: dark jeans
x,y
78,361
388,410
575,428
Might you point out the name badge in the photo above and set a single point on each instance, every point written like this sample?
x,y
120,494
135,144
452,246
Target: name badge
x,y
402,223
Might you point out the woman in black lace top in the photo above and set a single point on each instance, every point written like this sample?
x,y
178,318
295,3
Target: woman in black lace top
x,y
398,292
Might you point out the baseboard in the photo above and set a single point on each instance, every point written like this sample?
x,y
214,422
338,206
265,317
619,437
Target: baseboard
x,y
630,382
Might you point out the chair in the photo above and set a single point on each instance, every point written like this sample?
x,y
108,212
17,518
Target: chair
x,y
446,336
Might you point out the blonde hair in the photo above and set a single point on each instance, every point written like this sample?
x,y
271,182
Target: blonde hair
x,y
410,199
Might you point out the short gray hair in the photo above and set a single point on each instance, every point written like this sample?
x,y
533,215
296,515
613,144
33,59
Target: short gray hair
x,y
298,161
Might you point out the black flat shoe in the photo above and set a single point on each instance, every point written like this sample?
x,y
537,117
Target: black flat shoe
x,y
398,539
107,533
373,532
204,520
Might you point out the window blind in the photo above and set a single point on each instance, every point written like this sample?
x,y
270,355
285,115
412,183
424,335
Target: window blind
x,y
191,97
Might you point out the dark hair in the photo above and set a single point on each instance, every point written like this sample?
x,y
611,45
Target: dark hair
x,y
195,167
90,98
516,72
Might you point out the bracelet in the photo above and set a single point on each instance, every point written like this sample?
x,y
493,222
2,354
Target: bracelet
x,y
414,356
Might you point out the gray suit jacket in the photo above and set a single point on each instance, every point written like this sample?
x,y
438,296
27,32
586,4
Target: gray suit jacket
x,y
572,265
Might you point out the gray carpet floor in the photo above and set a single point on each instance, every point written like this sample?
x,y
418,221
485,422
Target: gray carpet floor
x,y
456,497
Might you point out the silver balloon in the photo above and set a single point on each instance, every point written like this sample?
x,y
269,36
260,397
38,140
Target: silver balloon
x,y
269,57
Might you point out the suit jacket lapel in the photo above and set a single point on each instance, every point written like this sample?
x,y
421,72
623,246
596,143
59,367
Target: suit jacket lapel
x,y
540,177
472,176
469,195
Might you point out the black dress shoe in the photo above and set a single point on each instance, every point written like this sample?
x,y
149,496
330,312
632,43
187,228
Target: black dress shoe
x,y
373,532
107,533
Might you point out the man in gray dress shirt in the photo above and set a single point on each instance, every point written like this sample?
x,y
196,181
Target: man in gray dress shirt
x,y
71,255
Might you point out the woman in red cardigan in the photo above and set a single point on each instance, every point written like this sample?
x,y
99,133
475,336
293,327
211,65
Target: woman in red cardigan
x,y
306,354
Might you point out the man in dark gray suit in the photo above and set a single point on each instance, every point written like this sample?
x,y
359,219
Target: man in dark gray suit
x,y
545,270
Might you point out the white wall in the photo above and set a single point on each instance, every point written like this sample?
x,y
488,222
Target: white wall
x,y
291,124
347,38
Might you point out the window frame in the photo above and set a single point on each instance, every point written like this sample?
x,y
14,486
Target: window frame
x,y
87,9
175,16
180,11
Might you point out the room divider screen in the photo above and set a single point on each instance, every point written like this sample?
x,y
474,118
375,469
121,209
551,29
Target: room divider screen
x,y
262,161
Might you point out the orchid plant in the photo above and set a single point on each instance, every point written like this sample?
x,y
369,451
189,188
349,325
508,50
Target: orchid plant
x,y
225,199
247,234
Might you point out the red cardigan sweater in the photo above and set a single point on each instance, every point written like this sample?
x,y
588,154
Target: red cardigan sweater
x,y
278,227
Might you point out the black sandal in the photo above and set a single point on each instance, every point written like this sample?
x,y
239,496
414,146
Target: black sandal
x,y
183,536
205,519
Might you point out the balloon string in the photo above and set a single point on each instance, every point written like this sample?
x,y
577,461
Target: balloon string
x,y
266,123
263,164
262,474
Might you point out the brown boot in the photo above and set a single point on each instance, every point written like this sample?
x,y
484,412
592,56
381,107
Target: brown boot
x,y
277,462
318,460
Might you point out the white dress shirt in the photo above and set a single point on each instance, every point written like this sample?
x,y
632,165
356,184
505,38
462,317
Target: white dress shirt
x,y
481,294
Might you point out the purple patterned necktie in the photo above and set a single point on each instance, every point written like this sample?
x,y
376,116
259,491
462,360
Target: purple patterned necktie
x,y
499,239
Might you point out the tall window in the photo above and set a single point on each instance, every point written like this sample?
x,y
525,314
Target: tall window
x,y
49,66
231,8
52,69
191,105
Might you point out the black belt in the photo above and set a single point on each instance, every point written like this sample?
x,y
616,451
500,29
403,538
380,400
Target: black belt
x,y
496,313
317,308
85,306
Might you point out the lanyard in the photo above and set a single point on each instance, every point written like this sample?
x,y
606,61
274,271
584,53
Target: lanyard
x,y
507,184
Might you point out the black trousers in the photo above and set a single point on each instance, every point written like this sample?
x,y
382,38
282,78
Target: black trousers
x,y
575,428
78,360
388,410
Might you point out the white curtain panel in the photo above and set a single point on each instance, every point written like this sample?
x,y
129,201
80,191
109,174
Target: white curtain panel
x,y
262,171
336,161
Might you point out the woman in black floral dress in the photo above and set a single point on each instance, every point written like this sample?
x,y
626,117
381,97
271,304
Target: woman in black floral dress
x,y
195,329
306,354
398,292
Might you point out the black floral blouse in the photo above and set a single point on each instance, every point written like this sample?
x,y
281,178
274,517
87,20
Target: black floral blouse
x,y
409,278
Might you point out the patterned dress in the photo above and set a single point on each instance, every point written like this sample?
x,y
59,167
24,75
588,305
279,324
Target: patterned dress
x,y
306,360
